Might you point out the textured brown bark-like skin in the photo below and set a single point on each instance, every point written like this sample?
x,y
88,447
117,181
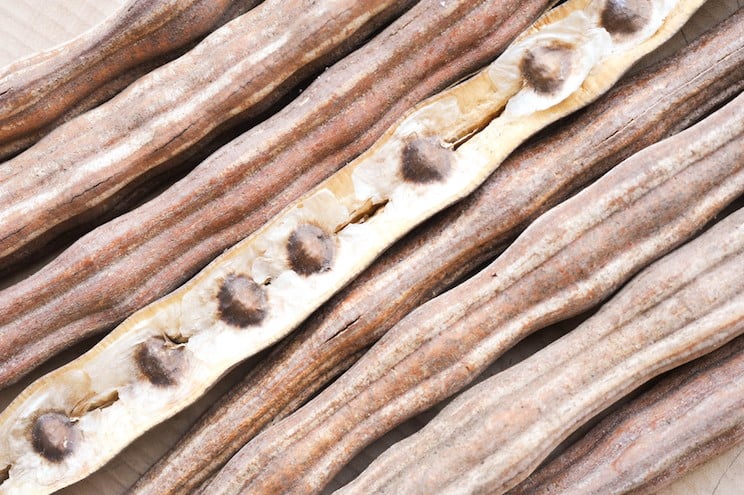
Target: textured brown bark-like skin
x,y
693,414
566,261
535,178
687,304
40,92
142,255
82,169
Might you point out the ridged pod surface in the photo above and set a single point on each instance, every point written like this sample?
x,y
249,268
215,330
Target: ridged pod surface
x,y
83,168
78,75
492,436
129,262
566,261
263,287
657,102
693,414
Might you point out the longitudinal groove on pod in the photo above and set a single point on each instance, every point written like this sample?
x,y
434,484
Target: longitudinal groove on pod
x,y
164,357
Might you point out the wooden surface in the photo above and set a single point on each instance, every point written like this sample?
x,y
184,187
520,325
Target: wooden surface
x,y
27,26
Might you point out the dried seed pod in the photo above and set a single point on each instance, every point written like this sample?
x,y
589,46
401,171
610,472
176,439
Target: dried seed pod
x,y
144,254
193,311
80,74
565,262
81,169
461,240
492,436
693,414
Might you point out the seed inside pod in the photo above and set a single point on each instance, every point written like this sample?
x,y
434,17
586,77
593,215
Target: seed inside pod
x,y
625,16
425,160
4,474
546,68
242,301
54,436
310,249
160,362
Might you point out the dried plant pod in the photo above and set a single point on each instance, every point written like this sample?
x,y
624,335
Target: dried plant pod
x,y
529,181
492,436
566,261
142,255
81,169
82,73
192,311
693,414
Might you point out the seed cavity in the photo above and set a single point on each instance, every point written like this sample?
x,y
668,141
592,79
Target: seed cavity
x,y
310,250
5,474
94,402
367,210
425,160
55,436
242,302
623,17
160,361
545,68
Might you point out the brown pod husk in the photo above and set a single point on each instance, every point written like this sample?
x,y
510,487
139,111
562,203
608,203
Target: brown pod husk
x,y
44,90
492,436
85,167
568,260
140,256
528,182
693,414
263,287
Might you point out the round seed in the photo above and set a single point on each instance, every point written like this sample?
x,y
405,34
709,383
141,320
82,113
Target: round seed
x,y
310,250
54,436
625,16
546,68
242,301
160,362
425,160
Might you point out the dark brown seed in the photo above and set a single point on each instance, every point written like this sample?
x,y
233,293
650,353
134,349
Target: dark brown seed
x,y
54,436
625,16
545,68
160,362
425,160
310,250
242,301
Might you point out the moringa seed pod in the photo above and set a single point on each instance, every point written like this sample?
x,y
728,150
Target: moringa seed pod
x,y
693,414
315,246
124,265
492,436
42,91
565,262
81,169
529,181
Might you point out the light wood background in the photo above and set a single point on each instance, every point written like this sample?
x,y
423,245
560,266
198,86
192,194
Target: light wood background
x,y
27,26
